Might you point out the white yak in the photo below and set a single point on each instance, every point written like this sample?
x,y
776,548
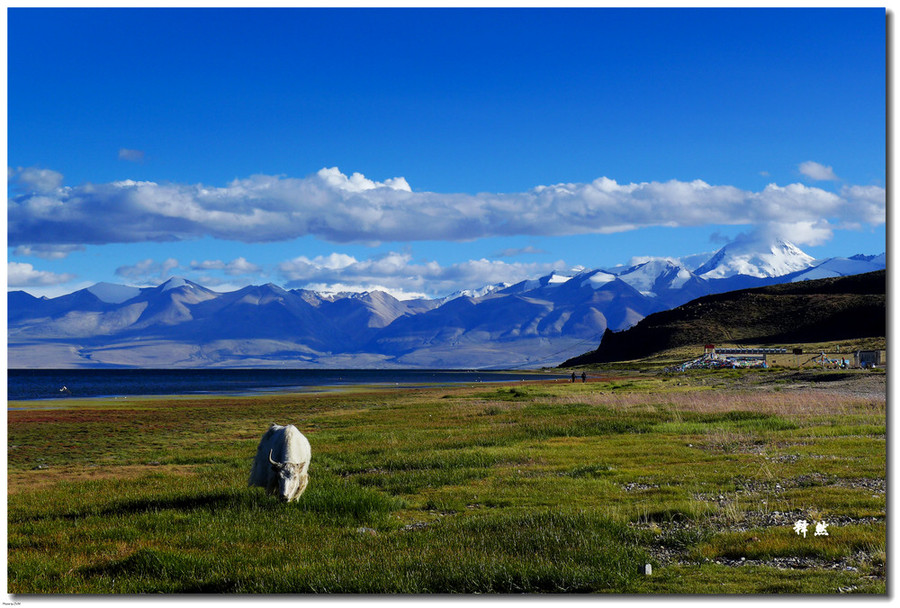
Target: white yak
x,y
281,462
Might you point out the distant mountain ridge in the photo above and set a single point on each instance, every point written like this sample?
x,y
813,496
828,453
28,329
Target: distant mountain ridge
x,y
821,310
534,323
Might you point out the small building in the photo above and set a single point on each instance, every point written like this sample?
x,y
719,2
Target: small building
x,y
747,357
798,359
870,358
794,357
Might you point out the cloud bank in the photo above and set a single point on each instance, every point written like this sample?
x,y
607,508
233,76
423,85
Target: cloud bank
x,y
19,274
402,276
235,268
146,269
48,252
342,209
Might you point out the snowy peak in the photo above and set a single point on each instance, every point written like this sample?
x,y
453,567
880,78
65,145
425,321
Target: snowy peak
x,y
175,283
476,293
554,279
654,276
752,258
597,279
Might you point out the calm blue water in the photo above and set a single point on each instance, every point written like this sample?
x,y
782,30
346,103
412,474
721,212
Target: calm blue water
x,y
46,384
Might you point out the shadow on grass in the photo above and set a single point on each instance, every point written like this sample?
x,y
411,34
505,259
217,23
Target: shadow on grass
x,y
164,572
329,499
548,552
205,501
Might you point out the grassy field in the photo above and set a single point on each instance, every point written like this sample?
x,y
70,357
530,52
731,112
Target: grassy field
x,y
533,487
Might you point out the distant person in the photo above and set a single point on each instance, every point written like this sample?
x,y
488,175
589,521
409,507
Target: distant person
x,y
583,377
573,376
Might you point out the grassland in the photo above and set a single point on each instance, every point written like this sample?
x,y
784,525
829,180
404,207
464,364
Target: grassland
x,y
525,488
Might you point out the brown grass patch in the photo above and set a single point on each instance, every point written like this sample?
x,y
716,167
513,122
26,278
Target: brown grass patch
x,y
788,403
20,481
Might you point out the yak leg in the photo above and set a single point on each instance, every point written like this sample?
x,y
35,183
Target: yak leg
x,y
303,481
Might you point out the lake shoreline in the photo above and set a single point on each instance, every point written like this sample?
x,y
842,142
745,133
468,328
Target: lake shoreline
x,y
52,385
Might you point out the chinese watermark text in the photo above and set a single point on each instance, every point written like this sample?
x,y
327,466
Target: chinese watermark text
x,y
801,527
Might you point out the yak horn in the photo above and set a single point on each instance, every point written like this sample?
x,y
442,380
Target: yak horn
x,y
272,461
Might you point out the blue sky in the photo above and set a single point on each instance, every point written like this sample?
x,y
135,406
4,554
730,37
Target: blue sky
x,y
423,151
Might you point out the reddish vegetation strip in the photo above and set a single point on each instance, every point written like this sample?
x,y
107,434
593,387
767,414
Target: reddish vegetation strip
x,y
19,481
69,416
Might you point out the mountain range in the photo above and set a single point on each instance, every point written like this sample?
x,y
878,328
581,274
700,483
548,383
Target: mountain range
x,y
534,323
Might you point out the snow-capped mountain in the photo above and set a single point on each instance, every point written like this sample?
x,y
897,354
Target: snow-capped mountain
x,y
550,280
655,276
840,267
537,322
476,293
748,258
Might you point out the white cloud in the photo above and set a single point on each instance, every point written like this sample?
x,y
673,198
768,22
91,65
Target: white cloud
x,y
513,252
148,271
718,237
799,233
358,182
47,252
34,179
134,156
337,208
816,171
236,267
333,260
19,274
866,203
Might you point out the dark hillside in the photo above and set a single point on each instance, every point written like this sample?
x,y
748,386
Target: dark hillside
x,y
838,308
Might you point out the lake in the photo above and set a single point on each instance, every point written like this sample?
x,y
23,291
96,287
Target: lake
x,y
83,383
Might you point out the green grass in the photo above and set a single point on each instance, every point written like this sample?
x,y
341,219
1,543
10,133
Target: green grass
x,y
764,544
531,488
527,553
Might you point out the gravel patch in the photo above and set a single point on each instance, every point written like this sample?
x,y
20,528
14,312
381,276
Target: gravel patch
x,y
667,552
632,487
874,485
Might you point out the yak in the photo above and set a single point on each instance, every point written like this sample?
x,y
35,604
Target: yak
x,y
282,459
